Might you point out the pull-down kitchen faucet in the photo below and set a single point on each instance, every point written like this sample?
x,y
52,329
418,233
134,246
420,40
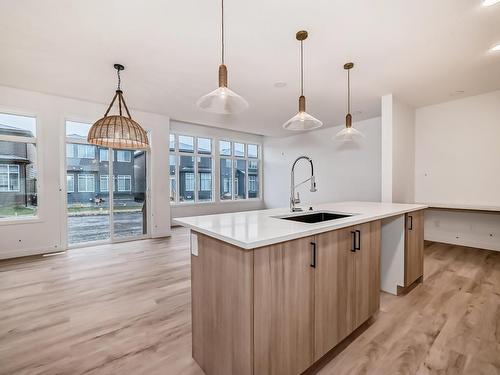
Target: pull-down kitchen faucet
x,y
293,200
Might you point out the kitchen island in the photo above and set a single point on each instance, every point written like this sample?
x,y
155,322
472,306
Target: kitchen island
x,y
272,295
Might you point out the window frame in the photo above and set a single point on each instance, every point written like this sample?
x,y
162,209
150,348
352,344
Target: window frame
x,y
216,170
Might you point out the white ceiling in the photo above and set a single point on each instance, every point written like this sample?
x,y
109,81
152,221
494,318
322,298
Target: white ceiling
x,y
423,51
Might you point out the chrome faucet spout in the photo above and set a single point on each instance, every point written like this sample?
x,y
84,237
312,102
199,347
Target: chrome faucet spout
x,y
295,200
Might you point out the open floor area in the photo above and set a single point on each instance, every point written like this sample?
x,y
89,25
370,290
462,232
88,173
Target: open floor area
x,y
126,309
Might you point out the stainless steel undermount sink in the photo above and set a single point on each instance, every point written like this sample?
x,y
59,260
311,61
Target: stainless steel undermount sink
x,y
315,217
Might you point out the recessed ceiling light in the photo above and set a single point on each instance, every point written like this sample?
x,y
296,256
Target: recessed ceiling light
x,y
488,3
280,84
496,48
458,92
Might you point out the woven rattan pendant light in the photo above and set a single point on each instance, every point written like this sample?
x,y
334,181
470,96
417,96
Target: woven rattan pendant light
x,y
348,133
222,100
302,120
118,131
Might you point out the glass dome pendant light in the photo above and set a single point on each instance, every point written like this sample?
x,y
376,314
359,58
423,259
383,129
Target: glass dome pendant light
x,y
348,133
118,131
302,120
222,100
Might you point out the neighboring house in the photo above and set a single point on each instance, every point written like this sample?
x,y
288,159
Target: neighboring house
x,y
17,170
88,174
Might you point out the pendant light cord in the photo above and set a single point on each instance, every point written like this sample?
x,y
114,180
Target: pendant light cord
x,y
301,68
119,79
349,91
222,30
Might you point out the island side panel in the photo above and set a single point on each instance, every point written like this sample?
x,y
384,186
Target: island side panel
x,y
392,264
222,307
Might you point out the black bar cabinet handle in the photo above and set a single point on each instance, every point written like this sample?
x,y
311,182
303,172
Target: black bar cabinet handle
x,y
353,241
358,232
411,222
313,260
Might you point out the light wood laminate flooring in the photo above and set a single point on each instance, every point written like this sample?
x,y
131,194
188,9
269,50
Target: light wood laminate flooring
x,y
125,309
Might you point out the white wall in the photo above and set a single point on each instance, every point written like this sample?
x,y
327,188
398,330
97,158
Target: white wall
x,y
349,171
474,229
398,151
45,233
206,208
458,152
458,164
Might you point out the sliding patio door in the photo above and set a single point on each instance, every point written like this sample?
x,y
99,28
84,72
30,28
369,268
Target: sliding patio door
x,y
106,190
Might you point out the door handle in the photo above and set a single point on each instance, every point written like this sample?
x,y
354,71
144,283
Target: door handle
x,y
313,255
353,241
358,232
411,222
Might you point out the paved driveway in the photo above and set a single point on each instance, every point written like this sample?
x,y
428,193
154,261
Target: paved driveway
x,y
96,227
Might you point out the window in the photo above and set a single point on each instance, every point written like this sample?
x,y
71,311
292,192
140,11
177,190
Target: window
x,y
70,150
239,171
204,146
18,173
205,185
103,154
70,183
191,169
186,143
104,183
173,185
252,184
86,183
224,148
186,178
86,151
253,151
124,183
189,182
123,156
226,179
172,142
253,179
9,178
193,163
239,149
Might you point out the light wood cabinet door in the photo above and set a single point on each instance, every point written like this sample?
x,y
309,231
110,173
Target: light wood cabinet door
x,y
367,260
334,289
414,246
347,283
284,308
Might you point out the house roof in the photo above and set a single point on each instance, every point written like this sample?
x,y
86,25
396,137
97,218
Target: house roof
x,y
13,158
13,130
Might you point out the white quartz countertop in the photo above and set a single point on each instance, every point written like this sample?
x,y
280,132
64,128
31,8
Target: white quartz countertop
x,y
252,229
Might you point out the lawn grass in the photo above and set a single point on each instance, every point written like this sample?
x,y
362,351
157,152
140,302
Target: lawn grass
x,y
103,208
17,211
